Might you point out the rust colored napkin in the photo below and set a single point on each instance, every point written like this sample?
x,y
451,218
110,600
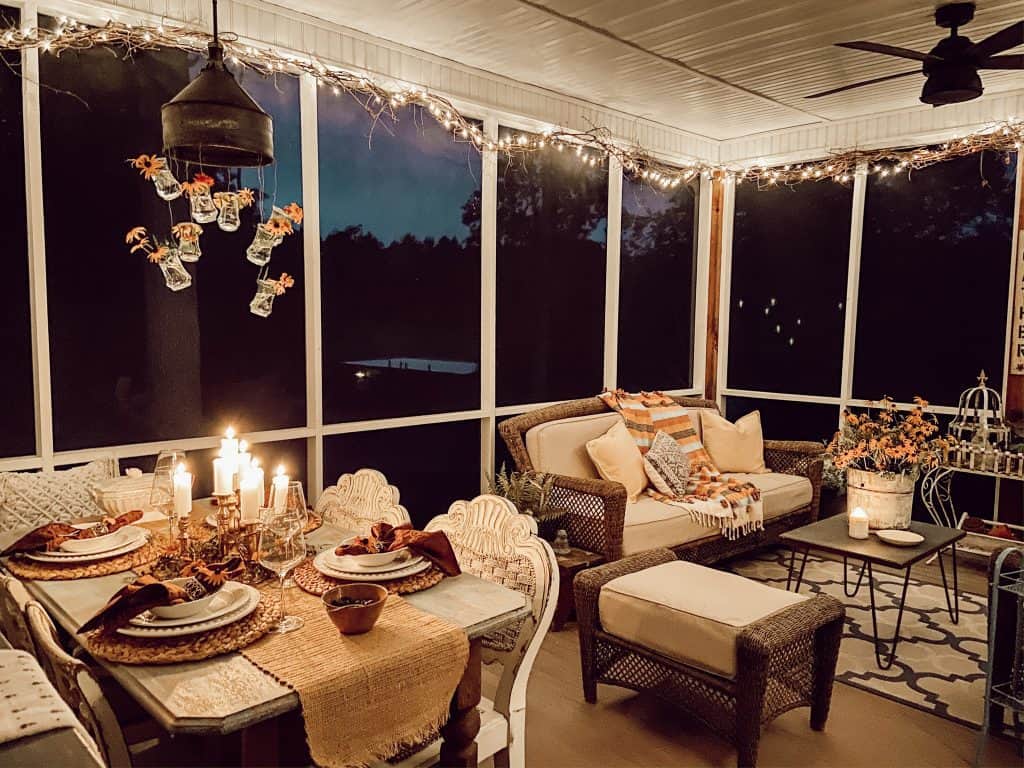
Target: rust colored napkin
x,y
385,537
146,592
50,536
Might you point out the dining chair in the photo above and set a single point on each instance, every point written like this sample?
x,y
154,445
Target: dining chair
x,y
494,542
78,687
13,599
359,500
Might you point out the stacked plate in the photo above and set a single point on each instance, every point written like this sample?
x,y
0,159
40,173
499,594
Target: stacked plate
x,y
233,602
370,567
120,542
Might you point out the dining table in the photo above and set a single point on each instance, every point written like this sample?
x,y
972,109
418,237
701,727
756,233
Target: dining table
x,y
229,696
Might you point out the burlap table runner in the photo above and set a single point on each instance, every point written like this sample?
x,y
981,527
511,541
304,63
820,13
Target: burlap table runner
x,y
365,697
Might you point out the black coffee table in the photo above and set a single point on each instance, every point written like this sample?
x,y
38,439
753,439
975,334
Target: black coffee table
x,y
832,535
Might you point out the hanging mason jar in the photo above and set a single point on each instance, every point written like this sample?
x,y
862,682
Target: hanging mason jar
x,y
189,250
167,187
201,204
262,303
229,218
176,277
262,244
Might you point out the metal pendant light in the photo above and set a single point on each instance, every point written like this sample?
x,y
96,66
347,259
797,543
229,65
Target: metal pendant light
x,y
214,122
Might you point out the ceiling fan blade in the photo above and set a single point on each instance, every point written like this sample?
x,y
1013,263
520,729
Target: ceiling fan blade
x,y
1013,61
888,50
1003,40
865,82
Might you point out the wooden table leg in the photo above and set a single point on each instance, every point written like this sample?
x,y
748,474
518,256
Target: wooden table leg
x,y
565,604
458,735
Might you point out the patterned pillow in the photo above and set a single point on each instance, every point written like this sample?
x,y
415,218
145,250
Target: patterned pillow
x,y
667,465
32,499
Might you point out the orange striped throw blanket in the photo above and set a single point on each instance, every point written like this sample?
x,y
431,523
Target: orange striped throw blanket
x,y
713,501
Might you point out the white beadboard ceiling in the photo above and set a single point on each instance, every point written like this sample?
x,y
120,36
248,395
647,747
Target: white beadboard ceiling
x,y
722,69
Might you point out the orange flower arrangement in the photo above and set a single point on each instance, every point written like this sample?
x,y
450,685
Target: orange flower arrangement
x,y
139,240
294,212
283,283
200,185
187,232
246,197
148,165
889,442
278,225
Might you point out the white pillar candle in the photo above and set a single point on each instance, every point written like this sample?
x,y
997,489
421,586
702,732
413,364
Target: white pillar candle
x,y
223,475
260,482
242,463
280,492
229,444
249,494
858,523
182,492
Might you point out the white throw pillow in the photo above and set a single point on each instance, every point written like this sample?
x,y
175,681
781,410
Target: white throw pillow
x,y
735,447
31,499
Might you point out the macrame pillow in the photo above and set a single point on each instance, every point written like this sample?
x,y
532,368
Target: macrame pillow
x,y
667,466
32,499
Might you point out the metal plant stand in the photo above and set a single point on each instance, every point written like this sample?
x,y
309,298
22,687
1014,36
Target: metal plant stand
x,y
1005,694
936,493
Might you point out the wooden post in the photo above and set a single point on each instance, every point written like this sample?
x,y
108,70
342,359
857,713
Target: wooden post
x,y
714,287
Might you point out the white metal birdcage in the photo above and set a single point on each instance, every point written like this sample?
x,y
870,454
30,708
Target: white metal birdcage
x,y
979,418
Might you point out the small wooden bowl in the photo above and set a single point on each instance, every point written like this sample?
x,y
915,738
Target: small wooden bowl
x,y
355,619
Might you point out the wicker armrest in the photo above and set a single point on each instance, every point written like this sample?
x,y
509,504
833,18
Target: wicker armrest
x,y
595,513
798,457
780,630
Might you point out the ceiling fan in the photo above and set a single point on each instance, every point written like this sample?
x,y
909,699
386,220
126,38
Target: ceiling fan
x,y
951,67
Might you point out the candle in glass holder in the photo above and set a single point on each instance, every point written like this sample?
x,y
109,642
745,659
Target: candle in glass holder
x,y
858,523
223,474
280,490
249,496
182,492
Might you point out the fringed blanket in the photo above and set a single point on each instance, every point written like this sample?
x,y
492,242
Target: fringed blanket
x,y
713,501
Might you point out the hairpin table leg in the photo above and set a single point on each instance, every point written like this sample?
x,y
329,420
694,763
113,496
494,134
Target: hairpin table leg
x,y
800,576
890,654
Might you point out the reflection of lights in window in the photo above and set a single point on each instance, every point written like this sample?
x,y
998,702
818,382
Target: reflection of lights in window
x,y
360,374
771,301
840,306
798,321
792,341
740,303
767,310
778,329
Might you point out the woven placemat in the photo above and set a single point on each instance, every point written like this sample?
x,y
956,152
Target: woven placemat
x,y
311,580
171,650
136,560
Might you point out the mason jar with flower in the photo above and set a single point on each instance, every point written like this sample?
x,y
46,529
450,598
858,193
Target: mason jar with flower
x,y
883,451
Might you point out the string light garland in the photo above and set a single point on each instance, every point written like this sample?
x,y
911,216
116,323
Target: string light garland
x,y
592,147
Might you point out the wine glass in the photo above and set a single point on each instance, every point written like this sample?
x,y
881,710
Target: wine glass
x,y
282,547
161,497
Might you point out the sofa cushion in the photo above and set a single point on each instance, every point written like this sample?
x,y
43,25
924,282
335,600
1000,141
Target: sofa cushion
x,y
734,447
651,523
688,612
560,446
617,459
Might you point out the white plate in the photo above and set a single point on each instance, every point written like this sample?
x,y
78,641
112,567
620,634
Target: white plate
x,y
900,538
229,598
350,564
97,544
320,563
374,559
242,609
72,557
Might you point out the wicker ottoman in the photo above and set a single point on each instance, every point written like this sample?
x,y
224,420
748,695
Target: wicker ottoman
x,y
733,652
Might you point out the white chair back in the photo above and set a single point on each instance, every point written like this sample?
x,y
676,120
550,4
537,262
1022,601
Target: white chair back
x,y
13,599
359,500
494,542
77,686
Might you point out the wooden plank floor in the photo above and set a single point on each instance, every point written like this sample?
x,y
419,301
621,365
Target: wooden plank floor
x,y
635,730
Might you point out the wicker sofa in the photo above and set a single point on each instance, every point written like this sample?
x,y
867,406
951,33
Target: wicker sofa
x,y
598,517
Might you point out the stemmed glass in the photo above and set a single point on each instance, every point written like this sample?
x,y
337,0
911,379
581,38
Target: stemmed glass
x,y
161,497
282,547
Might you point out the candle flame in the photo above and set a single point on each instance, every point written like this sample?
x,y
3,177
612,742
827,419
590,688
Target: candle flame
x,y
280,470
243,446
180,469
229,433
255,463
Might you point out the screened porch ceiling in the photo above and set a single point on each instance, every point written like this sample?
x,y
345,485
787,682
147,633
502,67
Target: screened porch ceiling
x,y
718,68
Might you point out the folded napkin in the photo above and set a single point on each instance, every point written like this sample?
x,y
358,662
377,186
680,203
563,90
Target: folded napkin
x,y
147,592
387,538
50,536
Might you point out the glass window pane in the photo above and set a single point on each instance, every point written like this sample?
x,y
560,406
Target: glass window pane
x,y
552,230
657,286
787,419
400,259
131,360
17,429
431,465
935,266
790,252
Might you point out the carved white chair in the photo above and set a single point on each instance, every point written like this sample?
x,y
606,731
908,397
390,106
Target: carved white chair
x,y
359,500
494,542
13,599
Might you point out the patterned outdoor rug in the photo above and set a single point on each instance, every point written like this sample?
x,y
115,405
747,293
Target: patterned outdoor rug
x,y
939,667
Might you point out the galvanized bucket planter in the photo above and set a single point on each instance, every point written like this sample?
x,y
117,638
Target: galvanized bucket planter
x,y
887,500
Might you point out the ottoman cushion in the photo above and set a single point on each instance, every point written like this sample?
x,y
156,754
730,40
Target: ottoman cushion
x,y
688,612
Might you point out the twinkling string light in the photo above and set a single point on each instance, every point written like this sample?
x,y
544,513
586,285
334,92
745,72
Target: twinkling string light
x,y
592,147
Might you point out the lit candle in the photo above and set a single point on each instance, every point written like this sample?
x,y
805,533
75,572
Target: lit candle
x,y
182,492
858,523
229,444
243,460
223,474
280,493
249,494
260,483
